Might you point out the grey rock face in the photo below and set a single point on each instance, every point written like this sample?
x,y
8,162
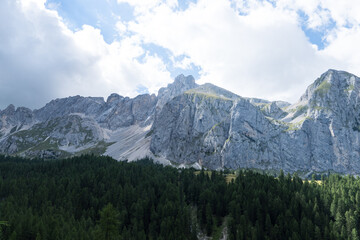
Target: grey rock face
x,y
332,103
114,97
79,124
12,119
70,131
179,86
184,132
318,133
124,112
214,131
273,110
65,106
69,125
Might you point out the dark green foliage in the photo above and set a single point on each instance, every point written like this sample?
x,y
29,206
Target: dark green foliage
x,y
290,208
91,197
108,225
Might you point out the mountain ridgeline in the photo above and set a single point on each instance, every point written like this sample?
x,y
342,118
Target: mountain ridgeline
x,y
201,126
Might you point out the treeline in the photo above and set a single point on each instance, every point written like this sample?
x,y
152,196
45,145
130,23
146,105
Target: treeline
x,y
92,197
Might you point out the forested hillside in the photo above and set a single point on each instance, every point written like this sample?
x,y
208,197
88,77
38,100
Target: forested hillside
x,y
91,197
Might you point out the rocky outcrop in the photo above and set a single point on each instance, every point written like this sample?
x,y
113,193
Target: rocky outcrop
x,y
12,119
273,110
123,112
61,107
216,132
179,86
184,132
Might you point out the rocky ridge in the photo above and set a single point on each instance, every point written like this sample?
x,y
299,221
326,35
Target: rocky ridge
x,y
318,133
199,125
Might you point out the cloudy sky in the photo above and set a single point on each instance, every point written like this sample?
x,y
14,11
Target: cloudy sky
x,y
255,48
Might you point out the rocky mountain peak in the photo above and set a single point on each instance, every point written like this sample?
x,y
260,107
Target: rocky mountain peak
x,y
14,119
331,84
182,80
179,86
9,110
333,93
114,97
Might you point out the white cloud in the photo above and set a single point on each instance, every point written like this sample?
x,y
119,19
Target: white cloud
x,y
343,12
343,35
142,7
121,27
41,59
30,4
261,52
323,12
344,44
185,63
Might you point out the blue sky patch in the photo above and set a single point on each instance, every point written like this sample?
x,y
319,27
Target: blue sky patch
x,y
166,56
184,4
140,89
193,70
99,14
315,36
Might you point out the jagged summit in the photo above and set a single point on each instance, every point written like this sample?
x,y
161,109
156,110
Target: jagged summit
x,y
332,82
185,80
180,85
114,97
9,109
334,93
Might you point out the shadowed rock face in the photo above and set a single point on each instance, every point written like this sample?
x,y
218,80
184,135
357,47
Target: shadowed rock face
x,y
70,125
199,124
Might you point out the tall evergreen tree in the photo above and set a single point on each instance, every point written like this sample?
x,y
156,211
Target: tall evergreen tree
x,y
108,225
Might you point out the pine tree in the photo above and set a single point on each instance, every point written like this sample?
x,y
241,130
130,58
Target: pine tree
x,y
317,233
354,234
3,224
108,225
268,224
209,220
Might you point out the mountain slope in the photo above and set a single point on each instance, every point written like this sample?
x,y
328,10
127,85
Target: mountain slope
x,y
77,125
71,125
199,125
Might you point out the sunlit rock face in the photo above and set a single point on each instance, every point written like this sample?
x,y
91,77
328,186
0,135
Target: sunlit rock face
x,y
320,132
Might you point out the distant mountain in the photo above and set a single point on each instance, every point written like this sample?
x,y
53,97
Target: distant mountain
x,y
76,125
200,126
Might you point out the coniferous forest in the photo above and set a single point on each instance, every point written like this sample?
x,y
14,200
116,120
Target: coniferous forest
x,y
90,197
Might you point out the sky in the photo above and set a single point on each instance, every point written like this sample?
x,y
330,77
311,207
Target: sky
x,y
271,49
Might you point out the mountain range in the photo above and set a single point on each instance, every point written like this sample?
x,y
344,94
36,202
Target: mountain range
x,y
188,124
